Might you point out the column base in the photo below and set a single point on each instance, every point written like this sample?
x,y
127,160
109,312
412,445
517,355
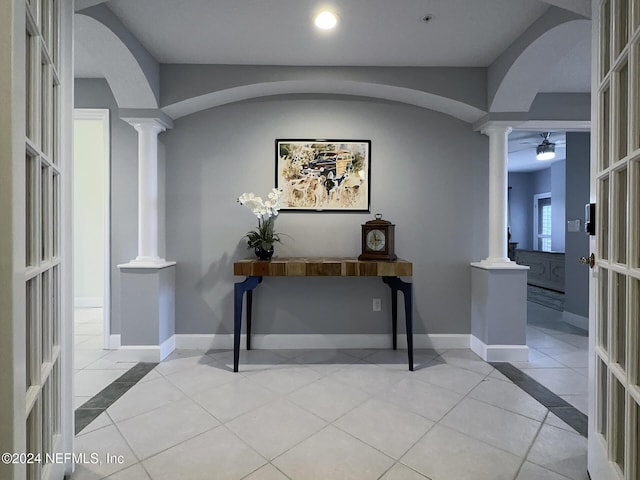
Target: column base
x,y
499,311
499,353
147,309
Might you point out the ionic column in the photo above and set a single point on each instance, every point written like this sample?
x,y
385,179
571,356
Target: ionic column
x,y
147,283
498,191
148,130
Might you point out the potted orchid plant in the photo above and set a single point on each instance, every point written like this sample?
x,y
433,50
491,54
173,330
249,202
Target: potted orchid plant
x,y
263,238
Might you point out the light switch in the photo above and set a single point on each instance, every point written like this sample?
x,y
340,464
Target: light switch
x,y
573,225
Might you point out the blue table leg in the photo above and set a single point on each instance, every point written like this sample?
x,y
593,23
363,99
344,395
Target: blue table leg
x,y
394,317
407,290
239,289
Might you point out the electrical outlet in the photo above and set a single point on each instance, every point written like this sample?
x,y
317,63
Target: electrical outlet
x,y
377,305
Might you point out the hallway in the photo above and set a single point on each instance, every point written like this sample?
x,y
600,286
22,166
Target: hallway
x,y
307,414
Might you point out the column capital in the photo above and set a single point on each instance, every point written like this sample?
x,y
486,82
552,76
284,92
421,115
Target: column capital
x,y
496,128
146,124
145,119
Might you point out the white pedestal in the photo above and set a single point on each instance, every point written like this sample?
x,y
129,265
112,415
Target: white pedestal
x,y
499,312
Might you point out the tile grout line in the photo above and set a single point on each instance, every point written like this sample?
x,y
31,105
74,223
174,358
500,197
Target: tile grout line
x,y
553,402
101,400
533,441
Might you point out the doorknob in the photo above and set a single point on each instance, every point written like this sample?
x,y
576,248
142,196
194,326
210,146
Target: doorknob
x,y
590,260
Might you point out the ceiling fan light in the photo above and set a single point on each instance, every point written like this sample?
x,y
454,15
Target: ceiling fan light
x,y
546,156
546,150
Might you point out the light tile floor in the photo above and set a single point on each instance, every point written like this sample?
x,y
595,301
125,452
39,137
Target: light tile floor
x,y
558,355
341,414
93,368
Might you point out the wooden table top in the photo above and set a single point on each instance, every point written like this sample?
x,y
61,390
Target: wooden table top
x,y
322,267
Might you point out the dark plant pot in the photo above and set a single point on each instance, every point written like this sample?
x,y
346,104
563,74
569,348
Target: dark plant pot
x,y
264,254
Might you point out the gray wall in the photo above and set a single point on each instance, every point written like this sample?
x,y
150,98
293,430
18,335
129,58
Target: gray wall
x,y
429,176
541,181
577,243
558,225
520,201
524,185
95,93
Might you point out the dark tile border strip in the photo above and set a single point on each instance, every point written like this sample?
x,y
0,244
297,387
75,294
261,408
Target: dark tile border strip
x,y
92,408
556,405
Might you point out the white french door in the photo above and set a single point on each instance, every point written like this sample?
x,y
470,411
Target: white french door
x,y
36,163
614,413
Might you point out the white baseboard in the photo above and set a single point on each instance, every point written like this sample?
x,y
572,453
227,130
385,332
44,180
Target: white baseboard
x,y
282,341
88,302
576,320
144,353
499,353
114,342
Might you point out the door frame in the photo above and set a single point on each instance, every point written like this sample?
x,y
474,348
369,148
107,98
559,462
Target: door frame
x,y
102,115
536,199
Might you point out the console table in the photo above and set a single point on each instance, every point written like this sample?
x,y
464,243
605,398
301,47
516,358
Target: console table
x,y
389,271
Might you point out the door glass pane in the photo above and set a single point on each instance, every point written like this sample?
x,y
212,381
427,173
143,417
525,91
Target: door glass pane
x,y
636,84
47,438
55,34
605,32
44,109
623,110
620,318
622,24
44,213
30,213
55,305
603,310
45,26
634,220
30,319
55,124
45,318
620,232
28,82
604,129
602,378
634,315
55,401
618,423
55,217
636,446
33,440
603,216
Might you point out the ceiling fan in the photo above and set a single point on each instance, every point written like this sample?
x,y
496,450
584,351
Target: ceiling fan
x,y
545,149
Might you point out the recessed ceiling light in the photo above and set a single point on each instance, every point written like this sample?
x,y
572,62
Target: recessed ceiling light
x,y
326,20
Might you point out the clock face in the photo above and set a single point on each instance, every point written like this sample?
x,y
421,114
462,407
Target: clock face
x,y
376,240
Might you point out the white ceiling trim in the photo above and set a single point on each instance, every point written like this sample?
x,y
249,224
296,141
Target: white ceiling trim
x,y
524,79
409,96
119,66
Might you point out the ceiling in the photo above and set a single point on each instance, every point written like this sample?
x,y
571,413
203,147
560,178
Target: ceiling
x,y
370,32
522,150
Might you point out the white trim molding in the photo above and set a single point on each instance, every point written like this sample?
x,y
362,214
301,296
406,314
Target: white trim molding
x,y
144,353
499,353
311,341
114,341
576,320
